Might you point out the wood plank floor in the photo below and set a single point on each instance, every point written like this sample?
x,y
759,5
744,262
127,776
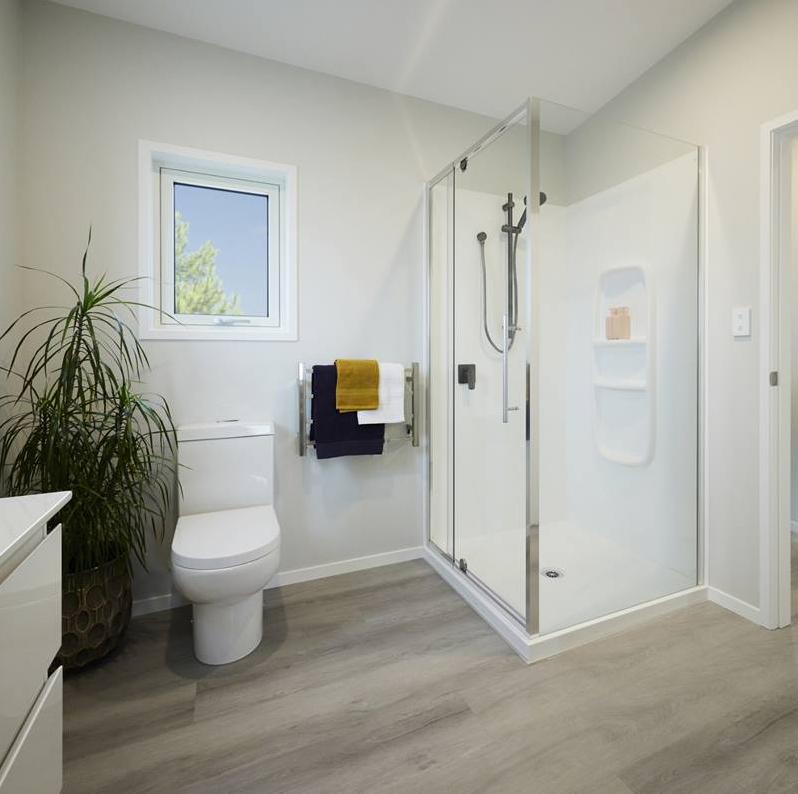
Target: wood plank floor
x,y
385,681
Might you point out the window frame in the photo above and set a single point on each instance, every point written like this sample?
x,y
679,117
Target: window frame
x,y
163,165
169,177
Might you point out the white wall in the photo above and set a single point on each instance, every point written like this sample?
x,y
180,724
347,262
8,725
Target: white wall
x,y
601,153
717,89
9,76
791,261
94,86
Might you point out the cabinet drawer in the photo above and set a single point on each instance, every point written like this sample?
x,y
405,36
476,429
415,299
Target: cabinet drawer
x,y
30,633
34,764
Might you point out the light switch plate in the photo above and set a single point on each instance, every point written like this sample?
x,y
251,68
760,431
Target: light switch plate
x,y
741,321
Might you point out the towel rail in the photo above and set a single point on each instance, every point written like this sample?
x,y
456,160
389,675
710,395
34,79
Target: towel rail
x,y
410,426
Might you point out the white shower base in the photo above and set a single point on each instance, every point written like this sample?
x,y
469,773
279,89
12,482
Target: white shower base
x,y
599,577
604,586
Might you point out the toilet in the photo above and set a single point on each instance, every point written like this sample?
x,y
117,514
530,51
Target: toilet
x,y
226,546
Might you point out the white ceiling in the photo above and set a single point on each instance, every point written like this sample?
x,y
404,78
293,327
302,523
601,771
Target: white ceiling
x,y
480,55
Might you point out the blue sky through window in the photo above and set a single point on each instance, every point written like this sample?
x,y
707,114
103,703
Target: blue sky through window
x,y
237,225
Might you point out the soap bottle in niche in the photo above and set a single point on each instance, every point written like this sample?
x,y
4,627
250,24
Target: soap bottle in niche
x,y
619,323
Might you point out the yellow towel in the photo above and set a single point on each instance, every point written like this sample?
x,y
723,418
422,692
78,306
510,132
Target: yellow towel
x,y
357,387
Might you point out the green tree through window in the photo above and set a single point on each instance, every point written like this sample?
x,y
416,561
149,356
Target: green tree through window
x,y
198,287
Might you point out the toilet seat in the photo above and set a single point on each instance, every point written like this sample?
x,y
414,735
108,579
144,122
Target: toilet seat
x,y
225,538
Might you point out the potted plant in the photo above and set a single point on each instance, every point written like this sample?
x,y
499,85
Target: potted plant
x,y
76,421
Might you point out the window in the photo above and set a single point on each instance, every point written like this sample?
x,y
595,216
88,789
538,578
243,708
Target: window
x,y
218,246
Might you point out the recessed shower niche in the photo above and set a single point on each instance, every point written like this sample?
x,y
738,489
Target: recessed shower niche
x,y
623,370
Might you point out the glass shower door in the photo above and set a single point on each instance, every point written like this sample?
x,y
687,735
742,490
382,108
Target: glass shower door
x,y
490,339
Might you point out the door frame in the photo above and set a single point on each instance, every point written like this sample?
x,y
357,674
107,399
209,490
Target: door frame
x,y
775,420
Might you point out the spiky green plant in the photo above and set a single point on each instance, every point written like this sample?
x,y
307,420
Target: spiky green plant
x,y
75,421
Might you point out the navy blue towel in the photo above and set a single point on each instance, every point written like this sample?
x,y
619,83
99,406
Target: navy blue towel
x,y
337,434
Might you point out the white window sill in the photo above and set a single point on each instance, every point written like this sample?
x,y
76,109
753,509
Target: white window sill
x,y
188,333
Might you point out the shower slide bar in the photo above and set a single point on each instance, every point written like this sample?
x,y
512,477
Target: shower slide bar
x,y
408,430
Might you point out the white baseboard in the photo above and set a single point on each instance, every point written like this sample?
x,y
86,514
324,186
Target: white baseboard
x,y
533,648
283,578
159,603
739,607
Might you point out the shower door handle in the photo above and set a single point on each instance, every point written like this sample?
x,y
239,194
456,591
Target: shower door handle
x,y
506,407
505,369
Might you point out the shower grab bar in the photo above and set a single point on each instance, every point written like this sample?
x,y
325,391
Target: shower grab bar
x,y
411,429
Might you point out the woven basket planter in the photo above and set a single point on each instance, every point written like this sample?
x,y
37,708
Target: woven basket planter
x,y
95,613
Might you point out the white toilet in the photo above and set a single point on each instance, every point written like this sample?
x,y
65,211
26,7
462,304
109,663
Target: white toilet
x,y
226,545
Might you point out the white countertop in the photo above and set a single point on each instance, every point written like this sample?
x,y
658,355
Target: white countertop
x,y
21,515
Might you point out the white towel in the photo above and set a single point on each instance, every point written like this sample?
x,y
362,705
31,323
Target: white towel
x,y
392,397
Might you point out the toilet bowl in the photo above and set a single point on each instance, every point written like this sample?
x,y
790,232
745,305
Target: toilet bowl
x,y
221,562
226,546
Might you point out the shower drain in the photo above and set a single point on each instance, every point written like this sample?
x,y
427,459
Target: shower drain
x,y
552,573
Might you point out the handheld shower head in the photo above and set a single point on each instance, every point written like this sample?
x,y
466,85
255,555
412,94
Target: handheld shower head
x,y
522,219
481,237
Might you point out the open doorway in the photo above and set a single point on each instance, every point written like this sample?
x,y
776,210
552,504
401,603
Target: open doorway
x,y
779,369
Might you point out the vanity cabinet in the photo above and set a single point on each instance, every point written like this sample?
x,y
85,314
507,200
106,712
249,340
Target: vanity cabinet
x,y
30,635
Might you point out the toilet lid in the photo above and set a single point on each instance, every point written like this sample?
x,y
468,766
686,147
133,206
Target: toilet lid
x,y
225,538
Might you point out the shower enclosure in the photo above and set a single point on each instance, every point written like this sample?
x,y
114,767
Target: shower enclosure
x,y
562,372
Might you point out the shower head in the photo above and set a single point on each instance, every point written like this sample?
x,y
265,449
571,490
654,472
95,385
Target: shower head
x,y
481,237
522,219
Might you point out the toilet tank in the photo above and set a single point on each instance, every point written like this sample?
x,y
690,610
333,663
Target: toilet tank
x,y
224,465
